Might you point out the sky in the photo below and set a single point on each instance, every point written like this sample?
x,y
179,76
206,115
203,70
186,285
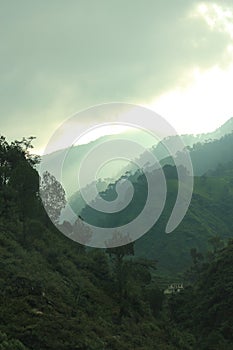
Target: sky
x,y
59,57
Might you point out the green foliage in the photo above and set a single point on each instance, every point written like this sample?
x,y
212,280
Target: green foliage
x,y
10,344
54,295
155,298
209,215
210,302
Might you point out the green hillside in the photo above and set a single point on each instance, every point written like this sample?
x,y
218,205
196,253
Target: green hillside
x,y
208,215
205,309
55,294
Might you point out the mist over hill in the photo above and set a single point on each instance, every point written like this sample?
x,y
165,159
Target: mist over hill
x,y
115,169
205,156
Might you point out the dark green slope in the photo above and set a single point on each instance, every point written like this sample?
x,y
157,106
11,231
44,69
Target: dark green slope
x,y
56,295
208,215
205,308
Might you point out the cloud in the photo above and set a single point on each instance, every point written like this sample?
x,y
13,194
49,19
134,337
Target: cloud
x,y
58,57
217,17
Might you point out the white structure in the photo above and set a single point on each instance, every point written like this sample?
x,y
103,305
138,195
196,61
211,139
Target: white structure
x,y
174,288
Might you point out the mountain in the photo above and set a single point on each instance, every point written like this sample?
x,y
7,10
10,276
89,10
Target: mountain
x,y
208,215
210,155
198,145
72,158
207,156
190,140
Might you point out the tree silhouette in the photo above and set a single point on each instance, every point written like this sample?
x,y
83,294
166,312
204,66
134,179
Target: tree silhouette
x,y
53,196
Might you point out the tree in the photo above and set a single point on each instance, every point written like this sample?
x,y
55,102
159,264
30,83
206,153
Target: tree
x,y
53,196
155,298
10,344
25,180
197,259
120,268
19,181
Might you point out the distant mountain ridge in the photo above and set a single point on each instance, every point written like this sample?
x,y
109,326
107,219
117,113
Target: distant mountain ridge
x,y
76,153
190,140
208,155
209,214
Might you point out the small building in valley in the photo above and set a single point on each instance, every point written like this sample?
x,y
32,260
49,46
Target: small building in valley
x,y
174,288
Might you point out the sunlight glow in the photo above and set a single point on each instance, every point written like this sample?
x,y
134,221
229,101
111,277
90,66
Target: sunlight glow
x,y
202,106
205,103
102,130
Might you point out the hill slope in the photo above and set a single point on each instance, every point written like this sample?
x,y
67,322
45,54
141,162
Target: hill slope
x,y
209,215
206,308
56,295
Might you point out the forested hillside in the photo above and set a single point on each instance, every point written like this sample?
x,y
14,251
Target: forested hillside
x,y
209,214
207,155
56,294
205,308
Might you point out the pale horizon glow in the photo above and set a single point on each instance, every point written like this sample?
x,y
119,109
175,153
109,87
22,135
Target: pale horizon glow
x,y
203,106
200,107
205,103
104,130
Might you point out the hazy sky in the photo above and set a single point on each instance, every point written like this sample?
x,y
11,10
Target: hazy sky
x,y
59,57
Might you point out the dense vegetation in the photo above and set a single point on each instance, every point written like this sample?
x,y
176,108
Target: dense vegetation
x,y
206,307
55,294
